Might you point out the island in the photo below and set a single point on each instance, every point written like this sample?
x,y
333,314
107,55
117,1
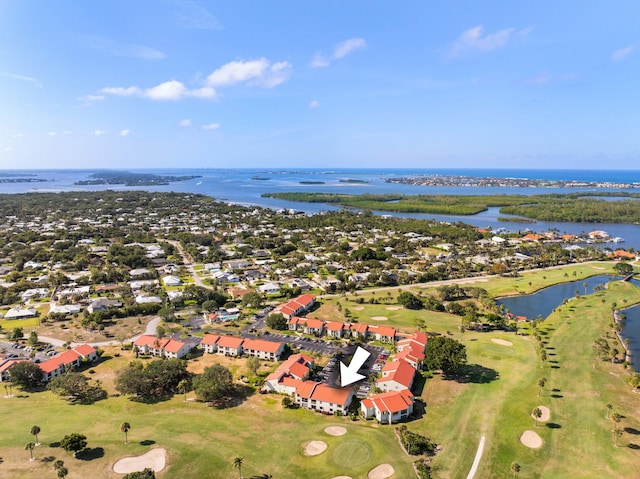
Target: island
x,y
584,207
354,181
132,179
309,182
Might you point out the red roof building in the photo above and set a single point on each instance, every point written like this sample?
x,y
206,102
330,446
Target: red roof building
x,y
389,407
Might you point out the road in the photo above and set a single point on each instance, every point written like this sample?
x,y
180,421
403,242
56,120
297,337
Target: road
x,y
188,263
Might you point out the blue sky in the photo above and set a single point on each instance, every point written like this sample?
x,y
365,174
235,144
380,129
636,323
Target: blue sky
x,y
195,83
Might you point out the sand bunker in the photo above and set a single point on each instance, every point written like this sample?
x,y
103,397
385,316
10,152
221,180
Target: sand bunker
x,y
341,477
381,472
358,308
531,439
154,459
502,342
394,308
379,318
314,448
335,430
546,414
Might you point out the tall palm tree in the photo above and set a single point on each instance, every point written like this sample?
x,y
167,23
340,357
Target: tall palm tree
x,y
616,435
62,472
124,427
515,468
541,383
35,430
537,414
183,385
609,408
615,417
29,447
237,462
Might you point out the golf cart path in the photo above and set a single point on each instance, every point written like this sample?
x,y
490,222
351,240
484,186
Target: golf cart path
x,y
476,460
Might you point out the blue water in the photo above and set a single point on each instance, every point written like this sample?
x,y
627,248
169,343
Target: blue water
x,y
236,186
632,331
543,302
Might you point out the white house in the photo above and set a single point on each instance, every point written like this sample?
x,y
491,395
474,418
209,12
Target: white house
x,y
389,407
269,288
322,398
259,348
171,280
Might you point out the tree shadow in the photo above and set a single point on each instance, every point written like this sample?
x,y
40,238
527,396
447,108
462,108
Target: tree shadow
x,y
634,446
54,444
553,425
557,396
90,454
419,409
477,374
48,459
555,390
240,394
631,430
147,442
555,367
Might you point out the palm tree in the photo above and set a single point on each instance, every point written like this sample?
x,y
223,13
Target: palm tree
x,y
515,468
29,447
609,408
62,472
615,417
58,464
182,386
541,383
124,427
537,414
237,462
35,430
616,435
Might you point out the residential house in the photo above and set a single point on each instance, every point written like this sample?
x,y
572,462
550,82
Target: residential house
x,y
210,343
20,313
389,407
269,288
322,398
230,346
103,304
289,375
66,309
262,349
172,281
385,334
396,376
307,325
6,364
72,358
162,347
336,329
296,306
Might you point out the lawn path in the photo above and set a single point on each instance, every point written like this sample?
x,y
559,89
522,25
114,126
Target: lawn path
x,y
476,460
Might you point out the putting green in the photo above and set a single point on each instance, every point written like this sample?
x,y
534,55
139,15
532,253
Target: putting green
x,y
351,453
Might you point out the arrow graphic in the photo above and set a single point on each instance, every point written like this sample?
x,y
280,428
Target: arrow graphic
x,y
349,375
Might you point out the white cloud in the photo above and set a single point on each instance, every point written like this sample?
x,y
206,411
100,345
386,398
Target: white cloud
x,y
475,39
259,72
51,133
622,53
314,104
211,126
7,149
22,78
192,16
546,78
99,132
170,90
121,49
17,135
319,61
91,98
185,122
67,133
348,46
341,50
124,132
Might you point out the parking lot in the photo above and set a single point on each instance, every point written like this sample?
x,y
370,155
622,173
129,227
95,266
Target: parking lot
x,y
17,350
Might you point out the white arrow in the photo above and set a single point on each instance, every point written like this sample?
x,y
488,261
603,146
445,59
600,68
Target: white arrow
x,y
349,375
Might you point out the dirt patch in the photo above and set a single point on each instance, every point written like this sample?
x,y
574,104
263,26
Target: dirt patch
x,y
381,472
379,318
314,448
502,342
335,430
155,459
531,439
597,267
358,308
341,477
546,414
394,308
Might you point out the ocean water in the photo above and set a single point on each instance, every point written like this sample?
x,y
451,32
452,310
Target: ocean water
x,y
240,186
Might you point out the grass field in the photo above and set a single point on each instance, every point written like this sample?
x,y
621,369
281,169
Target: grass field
x,y
496,402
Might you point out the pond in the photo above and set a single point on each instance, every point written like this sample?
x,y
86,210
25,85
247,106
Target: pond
x,y
543,302
546,300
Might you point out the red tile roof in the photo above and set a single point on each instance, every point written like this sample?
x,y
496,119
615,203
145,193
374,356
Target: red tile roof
x,y
262,345
305,389
148,340
335,325
324,393
85,350
392,401
174,345
210,339
229,342
399,371
63,359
